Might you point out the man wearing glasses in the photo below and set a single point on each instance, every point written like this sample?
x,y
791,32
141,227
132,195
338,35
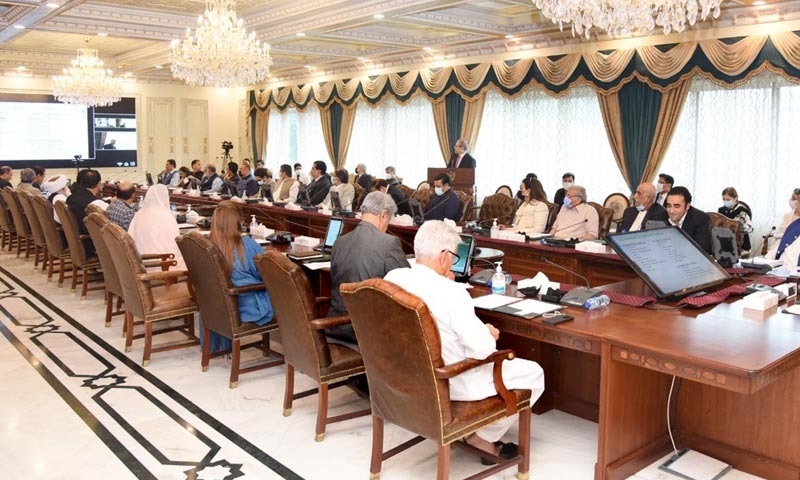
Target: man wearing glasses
x,y
576,219
463,334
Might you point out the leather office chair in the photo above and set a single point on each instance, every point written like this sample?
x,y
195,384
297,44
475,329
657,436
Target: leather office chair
x,y
303,335
409,382
93,208
604,217
57,248
552,214
407,191
8,233
77,250
94,223
218,301
23,229
423,185
464,206
423,196
617,202
499,206
358,196
149,296
39,243
719,220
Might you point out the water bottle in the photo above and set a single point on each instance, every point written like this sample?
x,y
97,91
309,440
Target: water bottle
x,y
495,230
253,224
596,302
499,280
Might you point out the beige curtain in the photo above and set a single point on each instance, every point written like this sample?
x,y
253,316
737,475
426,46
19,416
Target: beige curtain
x,y
671,106
338,157
612,119
440,121
471,123
261,133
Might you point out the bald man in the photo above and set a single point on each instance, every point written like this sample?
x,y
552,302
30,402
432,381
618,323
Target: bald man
x,y
121,209
644,210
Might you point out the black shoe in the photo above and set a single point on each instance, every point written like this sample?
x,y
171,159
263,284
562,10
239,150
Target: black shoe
x,y
507,451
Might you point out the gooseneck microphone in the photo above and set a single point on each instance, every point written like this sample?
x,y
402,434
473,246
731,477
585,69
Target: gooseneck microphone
x,y
578,295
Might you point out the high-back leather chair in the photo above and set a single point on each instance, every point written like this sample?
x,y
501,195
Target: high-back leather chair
x,y
409,382
358,196
93,208
94,224
617,202
303,335
718,220
464,206
23,229
8,233
218,301
604,217
57,248
149,296
407,191
423,196
81,259
552,214
39,243
505,190
499,206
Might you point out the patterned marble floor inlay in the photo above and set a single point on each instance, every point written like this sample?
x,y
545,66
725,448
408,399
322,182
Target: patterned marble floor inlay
x,y
156,432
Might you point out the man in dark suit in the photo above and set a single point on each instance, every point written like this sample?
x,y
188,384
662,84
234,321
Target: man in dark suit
x,y
444,203
567,180
644,210
86,193
363,178
320,183
691,220
663,186
5,177
460,157
366,252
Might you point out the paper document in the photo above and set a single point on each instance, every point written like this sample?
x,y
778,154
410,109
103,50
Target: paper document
x,y
492,301
317,265
531,307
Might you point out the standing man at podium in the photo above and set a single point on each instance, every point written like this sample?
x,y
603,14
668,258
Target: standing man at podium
x,y
460,157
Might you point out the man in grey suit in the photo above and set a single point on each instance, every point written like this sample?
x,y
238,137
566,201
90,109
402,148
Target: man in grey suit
x,y
366,252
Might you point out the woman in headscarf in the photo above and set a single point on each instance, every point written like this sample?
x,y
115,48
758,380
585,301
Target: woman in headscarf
x,y
154,228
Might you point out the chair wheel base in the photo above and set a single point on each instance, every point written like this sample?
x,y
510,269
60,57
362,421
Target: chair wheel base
x,y
145,363
287,412
319,437
233,385
523,476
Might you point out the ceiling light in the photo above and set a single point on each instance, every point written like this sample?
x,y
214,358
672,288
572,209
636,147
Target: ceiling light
x,y
220,53
87,82
19,27
378,16
627,17
52,5
509,36
102,34
300,34
158,67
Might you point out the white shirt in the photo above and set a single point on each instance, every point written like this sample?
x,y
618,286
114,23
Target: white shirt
x,y
531,218
462,333
576,221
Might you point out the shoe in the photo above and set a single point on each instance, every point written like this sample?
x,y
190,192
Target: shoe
x,y
507,451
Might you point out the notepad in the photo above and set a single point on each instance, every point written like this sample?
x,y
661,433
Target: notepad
x,y
529,308
492,301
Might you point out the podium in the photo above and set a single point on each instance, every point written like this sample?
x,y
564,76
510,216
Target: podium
x,y
461,179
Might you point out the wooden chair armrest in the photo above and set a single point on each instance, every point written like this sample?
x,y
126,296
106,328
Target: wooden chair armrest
x,y
168,275
84,236
329,322
164,264
161,256
497,358
318,301
256,287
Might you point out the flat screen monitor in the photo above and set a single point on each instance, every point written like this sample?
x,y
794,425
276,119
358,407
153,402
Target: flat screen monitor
x,y
335,226
336,203
668,261
465,251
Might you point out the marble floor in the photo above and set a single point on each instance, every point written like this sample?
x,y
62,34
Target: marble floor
x,y
75,405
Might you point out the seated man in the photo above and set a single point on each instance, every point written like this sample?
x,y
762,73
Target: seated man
x,y
576,219
320,183
463,335
444,204
26,177
5,177
86,193
689,219
247,185
287,187
211,181
645,209
366,252
121,209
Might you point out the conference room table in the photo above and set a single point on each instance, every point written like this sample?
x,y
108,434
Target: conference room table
x,y
737,389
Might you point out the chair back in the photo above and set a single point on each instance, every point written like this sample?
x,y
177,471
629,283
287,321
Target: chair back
x,y
407,191
499,206
210,276
423,196
464,206
93,208
129,264
77,249
400,345
719,220
17,215
552,214
94,225
53,235
505,190
358,196
6,221
617,202
423,185
33,220
604,217
294,305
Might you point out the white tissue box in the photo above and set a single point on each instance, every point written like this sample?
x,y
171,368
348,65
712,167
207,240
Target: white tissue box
x,y
593,247
760,301
307,241
511,236
292,206
402,220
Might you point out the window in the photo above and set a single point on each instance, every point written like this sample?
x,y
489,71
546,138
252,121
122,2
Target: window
x,y
295,136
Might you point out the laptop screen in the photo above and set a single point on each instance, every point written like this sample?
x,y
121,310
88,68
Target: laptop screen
x,y
668,260
335,226
465,251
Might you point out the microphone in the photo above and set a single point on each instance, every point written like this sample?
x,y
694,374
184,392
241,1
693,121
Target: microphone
x,y
578,295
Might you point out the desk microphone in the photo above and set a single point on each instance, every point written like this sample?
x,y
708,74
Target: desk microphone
x,y
578,295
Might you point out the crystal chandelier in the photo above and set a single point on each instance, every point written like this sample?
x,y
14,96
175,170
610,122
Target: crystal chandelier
x,y
86,82
624,17
220,53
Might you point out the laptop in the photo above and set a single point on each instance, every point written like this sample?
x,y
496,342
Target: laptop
x,y
335,227
465,251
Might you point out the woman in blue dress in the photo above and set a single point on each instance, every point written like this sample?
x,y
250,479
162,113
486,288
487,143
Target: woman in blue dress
x,y
238,251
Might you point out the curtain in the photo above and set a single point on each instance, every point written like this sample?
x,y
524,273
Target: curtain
x,y
639,107
471,121
672,102
612,120
440,122
337,127
260,134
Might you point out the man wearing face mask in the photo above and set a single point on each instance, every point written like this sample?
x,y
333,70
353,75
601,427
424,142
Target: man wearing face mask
x,y
576,219
299,175
444,204
362,177
663,186
567,180
644,210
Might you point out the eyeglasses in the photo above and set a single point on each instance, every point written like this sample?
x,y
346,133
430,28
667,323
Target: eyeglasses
x,y
456,257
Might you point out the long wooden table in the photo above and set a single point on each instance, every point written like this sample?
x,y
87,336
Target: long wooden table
x,y
737,394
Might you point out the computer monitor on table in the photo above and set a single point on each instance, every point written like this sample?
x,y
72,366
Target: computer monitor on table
x,y
466,249
668,261
334,231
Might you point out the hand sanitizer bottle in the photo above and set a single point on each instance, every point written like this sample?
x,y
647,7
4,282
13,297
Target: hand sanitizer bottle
x,y
499,280
495,231
253,224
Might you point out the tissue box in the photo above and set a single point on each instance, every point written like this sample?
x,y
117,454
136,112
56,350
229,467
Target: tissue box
x,y
760,301
402,220
593,247
307,241
511,235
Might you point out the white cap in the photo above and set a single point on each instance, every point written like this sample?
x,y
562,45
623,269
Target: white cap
x,y
55,183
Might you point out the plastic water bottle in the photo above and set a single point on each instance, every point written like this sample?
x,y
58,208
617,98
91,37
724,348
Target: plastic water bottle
x,y
495,230
253,224
499,280
596,302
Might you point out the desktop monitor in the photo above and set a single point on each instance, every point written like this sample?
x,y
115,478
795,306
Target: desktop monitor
x,y
302,196
668,261
266,193
465,251
336,203
335,227
149,177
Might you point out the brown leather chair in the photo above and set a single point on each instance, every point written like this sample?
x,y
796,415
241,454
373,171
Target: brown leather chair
x,y
303,334
409,382
604,217
407,191
81,260
39,243
423,196
93,208
8,233
23,229
57,248
358,196
552,214
94,222
499,206
149,296
464,206
217,299
617,202
719,220
505,190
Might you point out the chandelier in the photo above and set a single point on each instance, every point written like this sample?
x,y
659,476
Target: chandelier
x,y
87,82
220,53
624,17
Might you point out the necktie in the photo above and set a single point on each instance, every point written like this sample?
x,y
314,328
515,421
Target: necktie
x,y
458,161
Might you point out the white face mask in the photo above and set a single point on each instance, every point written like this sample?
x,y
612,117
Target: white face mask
x,y
438,191
566,185
793,204
728,203
389,176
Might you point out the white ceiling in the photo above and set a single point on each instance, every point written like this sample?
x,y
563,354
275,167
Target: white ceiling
x,y
341,36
